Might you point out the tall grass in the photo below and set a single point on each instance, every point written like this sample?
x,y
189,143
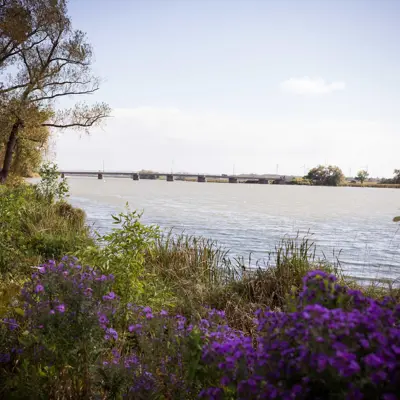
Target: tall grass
x,y
32,229
201,273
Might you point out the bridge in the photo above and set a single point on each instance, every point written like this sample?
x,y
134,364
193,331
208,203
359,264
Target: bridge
x,y
170,177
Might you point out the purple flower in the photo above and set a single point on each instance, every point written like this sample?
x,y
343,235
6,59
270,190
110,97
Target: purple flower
x,y
373,360
39,288
5,358
103,319
110,332
109,296
60,308
11,323
135,328
163,313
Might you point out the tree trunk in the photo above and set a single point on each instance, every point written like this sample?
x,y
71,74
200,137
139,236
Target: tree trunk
x,y
12,141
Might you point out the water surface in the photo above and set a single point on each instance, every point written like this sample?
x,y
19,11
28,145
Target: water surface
x,y
253,218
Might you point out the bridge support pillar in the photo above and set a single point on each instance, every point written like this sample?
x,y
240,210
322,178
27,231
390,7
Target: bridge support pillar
x,y
135,177
263,181
170,178
99,175
62,175
201,178
232,179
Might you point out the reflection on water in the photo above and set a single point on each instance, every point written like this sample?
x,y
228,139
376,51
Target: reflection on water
x,y
253,218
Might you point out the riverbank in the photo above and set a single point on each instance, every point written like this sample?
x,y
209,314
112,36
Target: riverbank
x,y
101,331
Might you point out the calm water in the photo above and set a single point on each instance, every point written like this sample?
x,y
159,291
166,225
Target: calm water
x,y
253,218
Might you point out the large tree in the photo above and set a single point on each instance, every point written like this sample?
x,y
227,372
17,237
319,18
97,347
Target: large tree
x,y
327,176
42,59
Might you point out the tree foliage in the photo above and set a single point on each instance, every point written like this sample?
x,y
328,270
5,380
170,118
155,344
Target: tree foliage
x,y
51,186
362,175
42,59
326,176
396,178
31,142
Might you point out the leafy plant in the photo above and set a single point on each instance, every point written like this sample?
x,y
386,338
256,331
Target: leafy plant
x,y
71,337
122,252
51,186
33,230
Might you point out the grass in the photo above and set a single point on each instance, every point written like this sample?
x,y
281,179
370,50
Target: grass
x,y
374,185
197,271
201,273
33,229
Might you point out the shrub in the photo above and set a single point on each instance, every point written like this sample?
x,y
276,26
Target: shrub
x,y
55,339
51,187
122,252
73,338
315,352
33,230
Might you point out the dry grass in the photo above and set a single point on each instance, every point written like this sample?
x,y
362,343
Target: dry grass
x,y
201,273
374,185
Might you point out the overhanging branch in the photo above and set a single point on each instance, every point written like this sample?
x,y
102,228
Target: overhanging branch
x,y
63,94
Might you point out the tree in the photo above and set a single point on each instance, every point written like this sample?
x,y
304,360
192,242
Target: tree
x,y
32,140
362,175
396,178
49,61
326,176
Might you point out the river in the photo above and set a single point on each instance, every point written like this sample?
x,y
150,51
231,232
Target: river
x,y
247,218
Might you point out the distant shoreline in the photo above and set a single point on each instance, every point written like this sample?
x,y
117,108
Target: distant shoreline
x,y
248,181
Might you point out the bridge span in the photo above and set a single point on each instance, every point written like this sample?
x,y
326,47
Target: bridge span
x,y
170,177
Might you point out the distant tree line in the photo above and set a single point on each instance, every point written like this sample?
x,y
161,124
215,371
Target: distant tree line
x,y
333,176
394,180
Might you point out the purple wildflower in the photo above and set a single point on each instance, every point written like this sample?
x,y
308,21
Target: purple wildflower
x,y
39,288
60,308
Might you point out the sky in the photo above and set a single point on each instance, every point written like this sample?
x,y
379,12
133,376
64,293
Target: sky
x,y
223,86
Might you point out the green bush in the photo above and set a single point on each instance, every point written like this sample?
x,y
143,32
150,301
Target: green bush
x,y
51,186
32,230
122,252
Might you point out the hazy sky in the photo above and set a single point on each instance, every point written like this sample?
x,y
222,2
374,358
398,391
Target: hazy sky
x,y
206,85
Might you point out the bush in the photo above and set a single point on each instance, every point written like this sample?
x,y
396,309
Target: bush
x,y
55,339
51,187
73,338
33,230
315,352
122,252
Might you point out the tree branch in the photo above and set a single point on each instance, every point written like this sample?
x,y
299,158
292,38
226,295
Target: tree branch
x,y
65,83
69,61
8,53
28,68
63,94
10,89
75,125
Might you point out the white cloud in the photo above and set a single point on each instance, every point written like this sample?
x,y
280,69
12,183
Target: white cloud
x,y
311,86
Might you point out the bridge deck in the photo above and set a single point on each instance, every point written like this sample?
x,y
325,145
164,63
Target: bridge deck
x,y
129,174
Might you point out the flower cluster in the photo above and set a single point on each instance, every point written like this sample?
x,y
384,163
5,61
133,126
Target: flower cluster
x,y
74,330
316,350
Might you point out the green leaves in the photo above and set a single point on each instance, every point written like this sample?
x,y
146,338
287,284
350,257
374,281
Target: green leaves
x,y
396,219
362,175
327,176
122,252
51,186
